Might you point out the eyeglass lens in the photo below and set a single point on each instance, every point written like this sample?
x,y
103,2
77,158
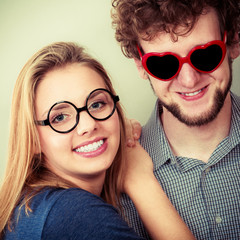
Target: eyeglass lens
x,y
64,116
163,67
203,60
207,59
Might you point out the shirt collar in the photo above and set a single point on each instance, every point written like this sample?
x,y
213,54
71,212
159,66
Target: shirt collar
x,y
154,139
234,134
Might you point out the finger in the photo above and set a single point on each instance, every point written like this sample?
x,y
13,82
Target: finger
x,y
133,131
129,136
130,142
136,129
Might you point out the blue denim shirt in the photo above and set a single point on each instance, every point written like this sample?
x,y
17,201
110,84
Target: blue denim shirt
x,y
207,195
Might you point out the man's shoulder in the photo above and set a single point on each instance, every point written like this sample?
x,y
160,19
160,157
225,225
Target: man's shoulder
x,y
153,138
153,127
235,99
235,108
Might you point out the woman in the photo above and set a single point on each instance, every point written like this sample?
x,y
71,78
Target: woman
x,y
67,155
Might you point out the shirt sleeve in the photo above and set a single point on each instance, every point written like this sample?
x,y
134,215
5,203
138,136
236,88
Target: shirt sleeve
x,y
78,214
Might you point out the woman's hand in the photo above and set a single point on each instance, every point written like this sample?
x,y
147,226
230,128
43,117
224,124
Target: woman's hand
x,y
139,167
160,218
133,131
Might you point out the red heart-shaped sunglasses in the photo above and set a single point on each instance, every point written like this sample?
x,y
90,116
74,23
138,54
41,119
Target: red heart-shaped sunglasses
x,y
204,58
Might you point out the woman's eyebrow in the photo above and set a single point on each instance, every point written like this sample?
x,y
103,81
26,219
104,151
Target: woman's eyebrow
x,y
58,107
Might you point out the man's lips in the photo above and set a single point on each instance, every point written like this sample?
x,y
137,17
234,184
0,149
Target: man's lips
x,y
191,94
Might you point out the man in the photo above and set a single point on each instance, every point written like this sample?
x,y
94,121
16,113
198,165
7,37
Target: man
x,y
185,49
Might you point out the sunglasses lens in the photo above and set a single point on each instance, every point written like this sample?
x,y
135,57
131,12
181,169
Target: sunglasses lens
x,y
164,67
207,59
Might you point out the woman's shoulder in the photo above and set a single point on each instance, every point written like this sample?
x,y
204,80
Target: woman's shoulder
x,y
78,214
72,199
70,214
50,205
67,204
50,196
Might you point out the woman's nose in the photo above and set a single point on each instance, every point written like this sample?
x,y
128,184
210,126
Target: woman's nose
x,y
86,124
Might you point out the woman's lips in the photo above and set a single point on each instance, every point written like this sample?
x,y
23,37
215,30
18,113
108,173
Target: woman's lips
x,y
92,149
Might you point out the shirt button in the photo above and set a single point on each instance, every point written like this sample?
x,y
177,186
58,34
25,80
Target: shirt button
x,y
208,170
218,219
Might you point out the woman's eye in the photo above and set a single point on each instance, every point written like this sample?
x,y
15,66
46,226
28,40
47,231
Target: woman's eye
x,y
96,105
59,118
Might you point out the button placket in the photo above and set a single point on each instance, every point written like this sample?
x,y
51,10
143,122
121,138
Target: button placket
x,y
218,219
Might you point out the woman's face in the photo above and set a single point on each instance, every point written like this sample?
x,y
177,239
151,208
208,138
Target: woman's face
x,y
83,155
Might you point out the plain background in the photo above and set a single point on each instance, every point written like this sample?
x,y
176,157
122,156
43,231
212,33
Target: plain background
x,y
28,25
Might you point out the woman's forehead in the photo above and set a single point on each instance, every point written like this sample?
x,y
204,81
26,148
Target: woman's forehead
x,y
72,83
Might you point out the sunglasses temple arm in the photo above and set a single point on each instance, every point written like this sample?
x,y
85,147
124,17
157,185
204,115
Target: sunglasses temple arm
x,y
139,51
225,37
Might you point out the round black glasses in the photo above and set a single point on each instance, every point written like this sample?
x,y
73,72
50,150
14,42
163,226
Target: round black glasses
x,y
63,116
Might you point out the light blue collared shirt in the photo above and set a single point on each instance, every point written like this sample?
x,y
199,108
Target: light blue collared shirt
x,y
206,195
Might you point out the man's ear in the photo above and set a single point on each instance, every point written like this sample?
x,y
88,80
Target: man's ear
x,y
140,68
234,50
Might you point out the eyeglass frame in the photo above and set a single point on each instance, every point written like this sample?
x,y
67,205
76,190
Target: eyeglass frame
x,y
46,122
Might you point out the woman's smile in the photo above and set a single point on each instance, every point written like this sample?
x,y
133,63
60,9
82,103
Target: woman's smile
x,y
92,149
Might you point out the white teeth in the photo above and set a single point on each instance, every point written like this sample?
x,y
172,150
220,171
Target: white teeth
x,y
90,147
191,94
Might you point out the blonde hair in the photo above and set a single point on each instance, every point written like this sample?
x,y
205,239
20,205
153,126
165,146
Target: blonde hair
x,y
26,172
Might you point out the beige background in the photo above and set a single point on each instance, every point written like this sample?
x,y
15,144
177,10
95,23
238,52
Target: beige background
x,y
28,25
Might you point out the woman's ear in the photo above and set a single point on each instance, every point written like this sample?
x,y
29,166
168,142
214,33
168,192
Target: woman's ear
x,y
234,50
141,69
37,147
37,150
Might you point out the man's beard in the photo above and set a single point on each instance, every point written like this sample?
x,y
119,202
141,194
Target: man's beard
x,y
219,99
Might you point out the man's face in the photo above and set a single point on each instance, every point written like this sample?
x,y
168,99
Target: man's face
x,y
194,98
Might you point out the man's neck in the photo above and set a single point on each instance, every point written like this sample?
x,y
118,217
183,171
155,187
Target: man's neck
x,y
197,142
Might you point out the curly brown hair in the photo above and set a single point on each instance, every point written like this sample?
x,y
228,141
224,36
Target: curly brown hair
x,y
135,19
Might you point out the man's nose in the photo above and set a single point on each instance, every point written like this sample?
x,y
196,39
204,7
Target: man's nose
x,y
188,77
